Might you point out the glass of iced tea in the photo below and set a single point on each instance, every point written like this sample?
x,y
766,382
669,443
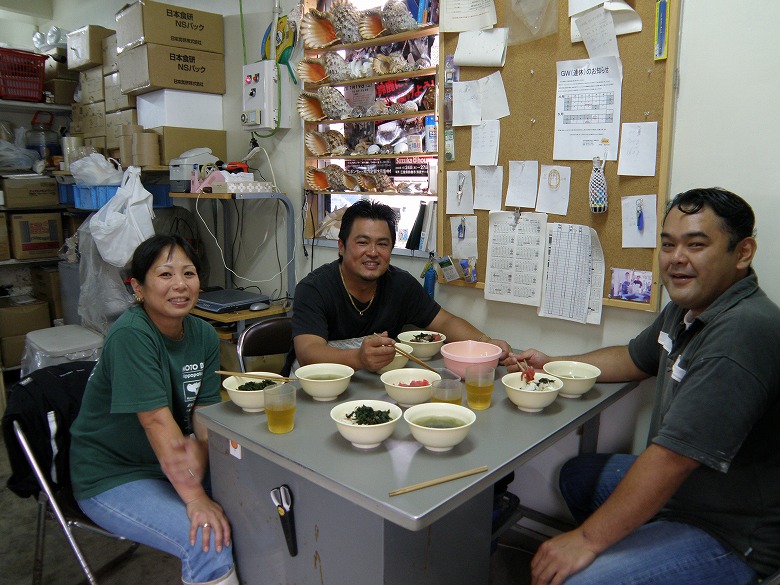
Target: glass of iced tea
x,y
280,408
450,391
479,386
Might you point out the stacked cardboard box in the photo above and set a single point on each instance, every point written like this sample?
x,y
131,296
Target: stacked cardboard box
x,y
16,321
60,82
46,287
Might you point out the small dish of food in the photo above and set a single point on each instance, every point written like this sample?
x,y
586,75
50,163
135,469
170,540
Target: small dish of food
x,y
248,393
531,395
577,377
425,344
365,423
324,382
409,386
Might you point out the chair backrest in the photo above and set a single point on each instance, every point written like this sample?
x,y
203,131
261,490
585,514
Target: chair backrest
x,y
270,340
45,404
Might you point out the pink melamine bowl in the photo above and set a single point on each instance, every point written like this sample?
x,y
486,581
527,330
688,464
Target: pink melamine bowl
x,y
459,355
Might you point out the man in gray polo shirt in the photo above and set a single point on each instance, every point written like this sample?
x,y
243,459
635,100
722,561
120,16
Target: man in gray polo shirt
x,y
701,504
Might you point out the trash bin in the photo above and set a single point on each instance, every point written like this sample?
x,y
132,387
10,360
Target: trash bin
x,y
58,345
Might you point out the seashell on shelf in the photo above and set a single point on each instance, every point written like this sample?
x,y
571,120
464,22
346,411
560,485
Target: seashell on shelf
x,y
338,179
316,180
359,112
378,108
312,71
401,148
367,181
428,100
410,106
335,66
382,64
396,109
351,182
362,147
334,104
384,183
396,17
373,149
336,143
316,143
317,30
310,108
371,26
345,19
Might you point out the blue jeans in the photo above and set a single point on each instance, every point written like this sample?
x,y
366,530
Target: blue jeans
x,y
150,511
658,553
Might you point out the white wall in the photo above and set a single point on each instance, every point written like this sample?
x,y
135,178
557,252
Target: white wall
x,y
725,131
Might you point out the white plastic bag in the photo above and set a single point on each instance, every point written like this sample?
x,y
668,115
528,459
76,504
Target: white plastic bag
x,y
125,221
95,169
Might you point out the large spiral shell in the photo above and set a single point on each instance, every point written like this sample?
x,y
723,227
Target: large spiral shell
x,y
396,17
345,19
312,71
335,66
316,180
336,142
316,143
334,104
317,30
371,26
310,108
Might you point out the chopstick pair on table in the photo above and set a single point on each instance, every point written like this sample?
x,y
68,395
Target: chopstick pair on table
x,y
255,376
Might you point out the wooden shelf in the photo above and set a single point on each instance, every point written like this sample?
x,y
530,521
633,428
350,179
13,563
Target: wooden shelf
x,y
404,116
424,31
374,156
428,72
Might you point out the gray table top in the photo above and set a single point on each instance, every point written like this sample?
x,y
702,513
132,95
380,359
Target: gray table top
x,y
502,438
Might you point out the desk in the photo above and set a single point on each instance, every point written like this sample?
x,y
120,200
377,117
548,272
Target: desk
x,y
238,317
349,530
227,244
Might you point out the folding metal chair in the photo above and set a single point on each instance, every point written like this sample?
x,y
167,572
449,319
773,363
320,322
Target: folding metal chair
x,y
268,341
40,411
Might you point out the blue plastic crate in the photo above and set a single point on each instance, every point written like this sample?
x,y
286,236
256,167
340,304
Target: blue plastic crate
x,y
160,195
65,193
94,197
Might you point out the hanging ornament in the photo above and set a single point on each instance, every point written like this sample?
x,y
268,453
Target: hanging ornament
x,y
640,215
597,188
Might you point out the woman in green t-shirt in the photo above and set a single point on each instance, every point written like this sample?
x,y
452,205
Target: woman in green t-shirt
x,y
139,459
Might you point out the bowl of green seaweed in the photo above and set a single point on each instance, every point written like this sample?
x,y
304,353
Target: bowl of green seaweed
x,y
439,426
425,344
324,381
248,393
365,423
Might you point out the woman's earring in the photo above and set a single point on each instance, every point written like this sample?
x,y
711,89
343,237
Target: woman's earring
x,y
138,299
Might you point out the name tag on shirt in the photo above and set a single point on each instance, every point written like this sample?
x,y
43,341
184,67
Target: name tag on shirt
x,y
665,341
677,372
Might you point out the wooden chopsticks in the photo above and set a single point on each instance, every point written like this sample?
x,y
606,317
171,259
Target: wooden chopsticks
x,y
415,360
430,482
255,376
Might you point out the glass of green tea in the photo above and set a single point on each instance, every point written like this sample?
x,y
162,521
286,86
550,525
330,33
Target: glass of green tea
x,y
479,386
280,408
450,391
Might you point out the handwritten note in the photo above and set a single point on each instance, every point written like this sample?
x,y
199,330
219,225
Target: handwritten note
x,y
638,143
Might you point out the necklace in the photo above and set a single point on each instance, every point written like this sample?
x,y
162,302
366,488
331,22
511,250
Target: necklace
x,y
352,300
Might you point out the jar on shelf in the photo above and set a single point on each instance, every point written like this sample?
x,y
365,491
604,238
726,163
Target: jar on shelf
x,y
43,139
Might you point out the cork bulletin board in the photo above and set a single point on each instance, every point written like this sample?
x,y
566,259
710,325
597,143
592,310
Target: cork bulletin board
x,y
529,76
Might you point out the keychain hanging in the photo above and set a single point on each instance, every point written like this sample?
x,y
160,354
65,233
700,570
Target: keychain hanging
x,y
597,187
640,215
462,229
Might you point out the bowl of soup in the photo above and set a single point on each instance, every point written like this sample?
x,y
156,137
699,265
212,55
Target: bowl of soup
x,y
577,377
324,382
249,393
365,423
439,426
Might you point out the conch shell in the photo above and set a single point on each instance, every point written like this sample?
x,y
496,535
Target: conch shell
x,y
312,71
317,30
345,19
334,104
316,179
337,143
396,17
316,143
310,108
371,26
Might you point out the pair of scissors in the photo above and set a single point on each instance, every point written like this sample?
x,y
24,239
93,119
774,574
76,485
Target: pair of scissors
x,y
282,499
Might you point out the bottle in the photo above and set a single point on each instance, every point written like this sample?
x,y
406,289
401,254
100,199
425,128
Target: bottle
x,y
431,141
43,140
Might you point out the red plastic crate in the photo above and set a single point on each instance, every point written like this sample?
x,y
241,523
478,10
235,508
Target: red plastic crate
x,y
21,75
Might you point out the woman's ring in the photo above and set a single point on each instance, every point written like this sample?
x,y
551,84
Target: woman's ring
x,y
205,525
191,474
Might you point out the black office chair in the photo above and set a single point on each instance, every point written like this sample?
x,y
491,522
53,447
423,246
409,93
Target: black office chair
x,y
263,346
36,429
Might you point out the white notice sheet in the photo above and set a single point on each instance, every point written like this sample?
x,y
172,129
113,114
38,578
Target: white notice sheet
x,y
515,262
587,109
573,264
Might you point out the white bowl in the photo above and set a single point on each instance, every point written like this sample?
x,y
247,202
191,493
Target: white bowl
x,y
577,377
422,350
408,395
338,377
248,400
459,355
439,439
399,361
527,399
365,436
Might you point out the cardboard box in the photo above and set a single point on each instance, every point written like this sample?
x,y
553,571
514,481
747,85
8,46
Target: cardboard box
x,y
46,286
62,90
35,235
91,82
154,22
110,56
12,349
5,244
174,141
150,67
145,149
115,99
30,191
71,222
21,319
93,119
185,109
56,66
85,46
97,142
114,125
